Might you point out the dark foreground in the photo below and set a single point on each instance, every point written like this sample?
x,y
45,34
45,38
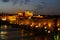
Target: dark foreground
x,y
9,33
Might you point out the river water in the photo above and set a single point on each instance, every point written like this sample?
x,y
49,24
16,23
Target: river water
x,y
9,33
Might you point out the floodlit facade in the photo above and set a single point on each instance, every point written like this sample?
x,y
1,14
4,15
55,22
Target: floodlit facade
x,y
28,13
11,18
20,13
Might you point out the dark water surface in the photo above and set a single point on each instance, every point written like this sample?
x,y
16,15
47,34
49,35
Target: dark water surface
x,y
9,33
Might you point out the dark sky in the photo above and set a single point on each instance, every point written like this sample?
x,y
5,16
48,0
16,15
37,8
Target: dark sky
x,y
44,7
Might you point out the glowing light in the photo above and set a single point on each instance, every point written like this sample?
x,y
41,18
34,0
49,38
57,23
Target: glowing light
x,y
36,26
58,24
39,16
3,32
29,17
31,25
12,18
58,29
39,24
44,23
4,19
28,13
45,27
49,31
49,24
4,27
21,14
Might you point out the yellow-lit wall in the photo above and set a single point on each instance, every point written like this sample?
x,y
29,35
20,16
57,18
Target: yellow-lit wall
x,y
27,13
11,18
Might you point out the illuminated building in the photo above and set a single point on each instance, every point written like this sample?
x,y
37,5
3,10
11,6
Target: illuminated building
x,y
39,16
28,13
20,13
11,18
4,18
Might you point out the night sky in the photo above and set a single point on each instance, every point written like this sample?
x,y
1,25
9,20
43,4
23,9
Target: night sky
x,y
44,7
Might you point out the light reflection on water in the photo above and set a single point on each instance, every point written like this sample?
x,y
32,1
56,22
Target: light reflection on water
x,y
19,34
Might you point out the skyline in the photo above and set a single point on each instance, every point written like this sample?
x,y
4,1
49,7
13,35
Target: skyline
x,y
45,7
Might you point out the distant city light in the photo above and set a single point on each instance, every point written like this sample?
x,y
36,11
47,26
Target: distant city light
x,y
49,24
28,18
12,18
3,32
45,27
58,29
44,23
49,31
4,19
4,27
36,26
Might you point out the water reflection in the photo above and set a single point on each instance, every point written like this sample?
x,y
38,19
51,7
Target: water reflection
x,y
3,26
21,34
4,36
3,32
